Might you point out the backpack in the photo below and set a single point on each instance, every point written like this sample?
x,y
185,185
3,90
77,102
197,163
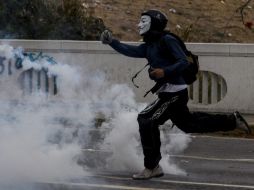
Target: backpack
x,y
190,73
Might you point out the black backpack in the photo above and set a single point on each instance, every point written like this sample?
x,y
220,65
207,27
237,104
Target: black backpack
x,y
190,73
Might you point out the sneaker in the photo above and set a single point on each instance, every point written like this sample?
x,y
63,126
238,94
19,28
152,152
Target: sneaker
x,y
241,123
148,174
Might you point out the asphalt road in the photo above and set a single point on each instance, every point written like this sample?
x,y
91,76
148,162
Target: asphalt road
x,y
211,163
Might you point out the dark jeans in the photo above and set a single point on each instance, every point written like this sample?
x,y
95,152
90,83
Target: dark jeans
x,y
173,106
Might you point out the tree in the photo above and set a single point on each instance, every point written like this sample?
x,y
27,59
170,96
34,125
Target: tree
x,y
41,19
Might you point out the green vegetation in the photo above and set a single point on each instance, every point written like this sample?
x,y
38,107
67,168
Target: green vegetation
x,y
41,19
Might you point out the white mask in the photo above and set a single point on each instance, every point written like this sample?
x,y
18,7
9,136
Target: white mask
x,y
144,24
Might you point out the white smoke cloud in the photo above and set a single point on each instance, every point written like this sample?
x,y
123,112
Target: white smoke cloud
x,y
174,142
41,138
124,142
6,51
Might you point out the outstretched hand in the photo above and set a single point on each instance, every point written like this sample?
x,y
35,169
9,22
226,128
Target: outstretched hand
x,y
106,37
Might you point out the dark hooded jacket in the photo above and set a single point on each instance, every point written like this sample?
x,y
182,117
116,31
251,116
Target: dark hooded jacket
x,y
173,63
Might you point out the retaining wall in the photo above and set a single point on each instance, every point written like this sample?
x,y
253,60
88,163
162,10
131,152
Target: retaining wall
x,y
226,83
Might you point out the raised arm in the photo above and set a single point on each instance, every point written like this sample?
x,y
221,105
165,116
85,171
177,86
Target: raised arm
x,y
125,49
129,50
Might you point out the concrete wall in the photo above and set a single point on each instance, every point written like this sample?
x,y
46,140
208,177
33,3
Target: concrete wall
x,y
234,63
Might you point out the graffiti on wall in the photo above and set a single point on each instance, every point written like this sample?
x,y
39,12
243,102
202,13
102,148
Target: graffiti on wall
x,y
34,68
9,65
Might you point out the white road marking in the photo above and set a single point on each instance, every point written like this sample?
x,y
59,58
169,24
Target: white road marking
x,y
214,159
220,137
189,157
184,182
101,186
207,184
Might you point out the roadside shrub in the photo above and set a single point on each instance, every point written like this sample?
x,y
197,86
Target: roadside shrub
x,y
42,19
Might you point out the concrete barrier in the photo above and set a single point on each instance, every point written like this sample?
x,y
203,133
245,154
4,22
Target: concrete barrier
x,y
33,81
226,82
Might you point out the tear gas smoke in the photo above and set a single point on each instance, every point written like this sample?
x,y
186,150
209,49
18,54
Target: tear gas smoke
x,y
41,137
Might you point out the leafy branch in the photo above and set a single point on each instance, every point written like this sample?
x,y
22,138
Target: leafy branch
x,y
241,11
